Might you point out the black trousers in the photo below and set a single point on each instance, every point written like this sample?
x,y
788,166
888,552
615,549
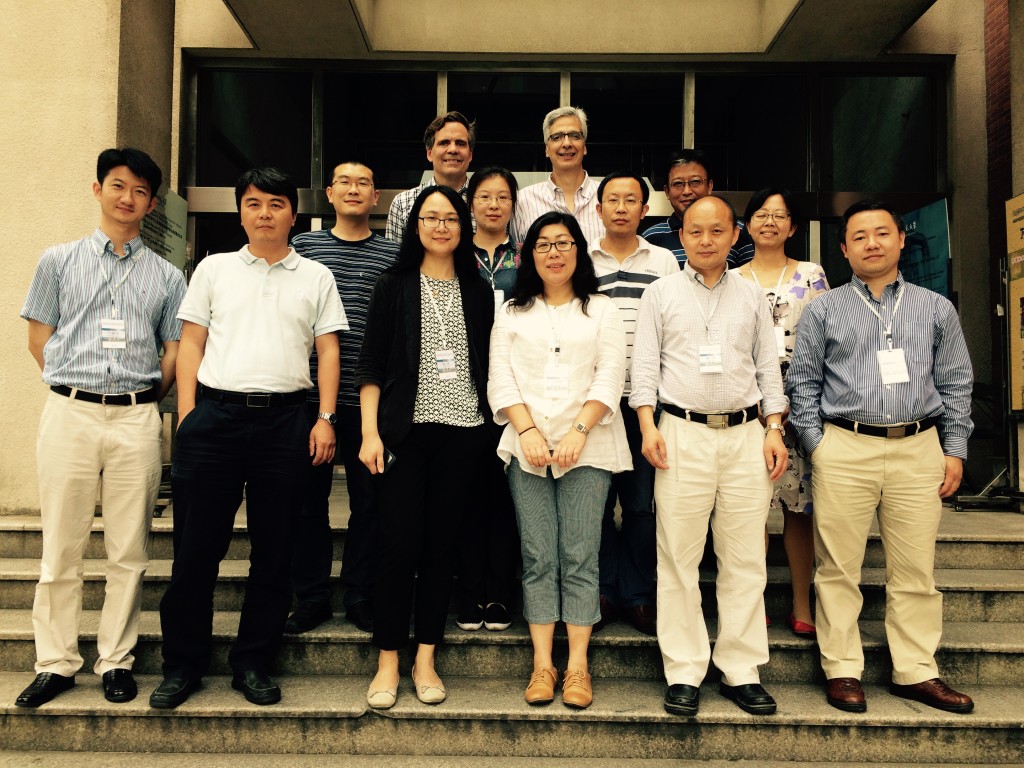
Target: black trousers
x,y
223,449
421,501
313,548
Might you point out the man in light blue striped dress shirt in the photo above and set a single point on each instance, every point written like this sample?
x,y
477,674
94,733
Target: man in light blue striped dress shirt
x,y
99,310
880,387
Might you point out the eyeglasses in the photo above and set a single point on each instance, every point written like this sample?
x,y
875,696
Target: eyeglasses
x,y
680,184
487,199
763,216
558,245
557,138
361,183
431,222
629,202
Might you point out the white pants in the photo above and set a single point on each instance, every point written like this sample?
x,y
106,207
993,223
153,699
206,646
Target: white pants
x,y
717,475
78,443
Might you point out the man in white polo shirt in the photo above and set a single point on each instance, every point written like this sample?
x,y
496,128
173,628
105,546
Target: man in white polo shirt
x,y
625,265
251,319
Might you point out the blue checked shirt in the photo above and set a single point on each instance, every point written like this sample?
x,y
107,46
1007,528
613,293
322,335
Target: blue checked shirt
x,y
71,291
401,207
834,372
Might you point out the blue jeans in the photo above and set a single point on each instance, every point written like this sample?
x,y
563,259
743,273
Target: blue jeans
x,y
628,558
560,533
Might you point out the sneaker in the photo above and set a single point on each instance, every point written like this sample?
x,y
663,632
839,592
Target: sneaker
x,y
471,618
496,617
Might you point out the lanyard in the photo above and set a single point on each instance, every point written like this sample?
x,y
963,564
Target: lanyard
x,y
887,330
556,344
437,310
778,286
115,288
700,307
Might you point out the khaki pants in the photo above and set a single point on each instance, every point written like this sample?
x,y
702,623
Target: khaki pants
x,y
855,477
79,441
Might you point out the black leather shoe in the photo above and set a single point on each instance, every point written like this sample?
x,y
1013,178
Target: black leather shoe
x,y
361,614
609,614
682,699
750,698
119,685
257,687
307,616
43,689
173,691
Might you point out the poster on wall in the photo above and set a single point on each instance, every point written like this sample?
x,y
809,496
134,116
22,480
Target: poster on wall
x,y
925,257
1015,294
163,229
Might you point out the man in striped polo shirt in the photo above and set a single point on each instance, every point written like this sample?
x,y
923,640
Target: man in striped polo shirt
x,y
356,257
625,265
881,386
99,311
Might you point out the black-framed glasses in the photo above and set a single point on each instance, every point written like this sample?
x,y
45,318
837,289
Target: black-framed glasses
x,y
680,184
431,222
558,138
558,245
763,216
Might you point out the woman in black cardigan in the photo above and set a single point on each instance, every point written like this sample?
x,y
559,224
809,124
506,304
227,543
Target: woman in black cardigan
x,y
422,380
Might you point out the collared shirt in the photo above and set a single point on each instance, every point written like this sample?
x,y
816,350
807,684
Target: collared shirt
x,y
262,319
666,234
501,273
545,196
670,329
78,284
592,347
356,265
401,207
626,282
834,371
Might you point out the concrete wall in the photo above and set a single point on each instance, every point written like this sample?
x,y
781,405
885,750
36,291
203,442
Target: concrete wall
x,y
65,102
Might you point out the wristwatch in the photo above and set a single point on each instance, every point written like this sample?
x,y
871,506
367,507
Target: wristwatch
x,y
330,418
779,427
580,427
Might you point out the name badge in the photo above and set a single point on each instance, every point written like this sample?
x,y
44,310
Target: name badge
x,y
710,357
780,340
893,366
499,299
556,380
446,364
113,334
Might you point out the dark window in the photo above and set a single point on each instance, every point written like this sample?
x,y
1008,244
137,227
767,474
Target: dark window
x,y
253,117
636,119
379,118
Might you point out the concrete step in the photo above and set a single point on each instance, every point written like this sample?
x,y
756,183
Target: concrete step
x,y
179,760
488,717
970,653
968,594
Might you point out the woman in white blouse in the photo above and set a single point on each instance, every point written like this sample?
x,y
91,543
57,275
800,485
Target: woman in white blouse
x,y
557,367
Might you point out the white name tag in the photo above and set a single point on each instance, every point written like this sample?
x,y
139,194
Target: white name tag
x,y
710,357
780,340
556,380
446,364
499,299
113,334
893,366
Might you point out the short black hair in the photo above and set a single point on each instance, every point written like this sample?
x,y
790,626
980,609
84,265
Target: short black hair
x,y
761,197
329,176
685,157
410,251
441,121
732,209
645,191
137,161
869,205
528,282
270,180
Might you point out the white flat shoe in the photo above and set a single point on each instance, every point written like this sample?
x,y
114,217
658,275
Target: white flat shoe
x,y
383,698
429,694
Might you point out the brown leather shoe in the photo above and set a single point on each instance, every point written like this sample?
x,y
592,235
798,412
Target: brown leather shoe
x,y
934,693
644,618
846,694
541,689
576,690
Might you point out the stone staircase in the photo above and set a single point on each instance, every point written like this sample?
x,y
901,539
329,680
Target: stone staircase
x,y
323,719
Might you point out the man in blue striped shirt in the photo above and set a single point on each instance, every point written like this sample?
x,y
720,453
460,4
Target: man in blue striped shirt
x,y
880,388
689,179
99,311
356,257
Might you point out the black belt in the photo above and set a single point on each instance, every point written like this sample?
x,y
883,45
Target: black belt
x,y
253,399
125,398
713,420
893,433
